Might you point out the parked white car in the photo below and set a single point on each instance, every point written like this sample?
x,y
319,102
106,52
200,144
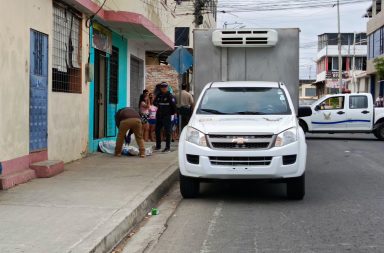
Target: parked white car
x,y
345,113
243,130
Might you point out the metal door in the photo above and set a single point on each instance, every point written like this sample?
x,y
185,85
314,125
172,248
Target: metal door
x,y
137,73
38,98
331,115
360,113
100,98
113,87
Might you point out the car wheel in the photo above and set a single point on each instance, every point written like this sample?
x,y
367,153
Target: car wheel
x,y
379,133
296,188
189,187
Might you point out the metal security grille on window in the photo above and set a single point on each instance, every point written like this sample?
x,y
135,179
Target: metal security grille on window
x,y
66,61
38,54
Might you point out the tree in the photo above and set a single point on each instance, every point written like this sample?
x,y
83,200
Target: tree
x,y
379,65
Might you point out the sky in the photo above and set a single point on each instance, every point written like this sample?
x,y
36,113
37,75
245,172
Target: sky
x,y
311,21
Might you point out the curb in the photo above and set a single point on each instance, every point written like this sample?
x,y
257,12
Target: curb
x,y
112,230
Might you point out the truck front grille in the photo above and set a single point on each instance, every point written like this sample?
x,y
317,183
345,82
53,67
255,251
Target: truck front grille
x,y
240,146
240,161
240,141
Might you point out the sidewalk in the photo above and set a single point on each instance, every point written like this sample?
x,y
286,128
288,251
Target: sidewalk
x,y
88,208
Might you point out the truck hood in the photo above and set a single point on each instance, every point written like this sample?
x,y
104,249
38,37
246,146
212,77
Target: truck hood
x,y
275,124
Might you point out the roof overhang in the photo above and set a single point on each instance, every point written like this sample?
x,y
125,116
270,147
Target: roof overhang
x,y
133,26
318,83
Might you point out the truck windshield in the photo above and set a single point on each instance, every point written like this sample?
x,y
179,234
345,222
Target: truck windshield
x,y
244,101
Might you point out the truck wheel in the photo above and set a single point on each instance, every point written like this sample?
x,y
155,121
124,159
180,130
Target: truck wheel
x,y
303,125
189,187
379,133
296,188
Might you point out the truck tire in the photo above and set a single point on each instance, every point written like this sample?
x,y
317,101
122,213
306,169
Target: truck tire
x,y
379,133
189,187
296,188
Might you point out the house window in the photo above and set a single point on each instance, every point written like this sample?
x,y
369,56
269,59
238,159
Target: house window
x,y
310,92
114,76
360,63
335,63
66,59
182,36
376,43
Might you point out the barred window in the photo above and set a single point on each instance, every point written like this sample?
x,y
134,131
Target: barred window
x,y
66,60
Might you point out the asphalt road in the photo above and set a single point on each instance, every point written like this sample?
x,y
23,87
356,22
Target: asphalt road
x,y
343,210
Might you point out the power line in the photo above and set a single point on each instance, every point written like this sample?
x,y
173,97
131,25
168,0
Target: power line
x,y
247,6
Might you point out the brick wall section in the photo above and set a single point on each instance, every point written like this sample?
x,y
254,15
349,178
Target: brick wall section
x,y
160,73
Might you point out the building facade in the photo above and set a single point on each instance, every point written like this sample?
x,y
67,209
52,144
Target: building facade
x,y
354,63
43,95
67,66
189,15
307,90
375,32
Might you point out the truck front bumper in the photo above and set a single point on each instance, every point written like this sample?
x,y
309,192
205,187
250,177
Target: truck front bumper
x,y
275,168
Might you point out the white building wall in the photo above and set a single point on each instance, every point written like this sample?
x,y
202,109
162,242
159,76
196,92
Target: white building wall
x,y
332,50
14,69
67,113
137,50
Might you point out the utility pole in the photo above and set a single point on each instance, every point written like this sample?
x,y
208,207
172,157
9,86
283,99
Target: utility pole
x,y
353,62
339,47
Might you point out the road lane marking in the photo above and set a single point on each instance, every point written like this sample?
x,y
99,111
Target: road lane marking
x,y
211,228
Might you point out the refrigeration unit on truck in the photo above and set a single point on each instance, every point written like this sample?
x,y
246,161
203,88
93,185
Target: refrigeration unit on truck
x,y
244,125
345,113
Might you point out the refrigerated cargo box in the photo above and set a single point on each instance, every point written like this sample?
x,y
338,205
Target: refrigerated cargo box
x,y
247,55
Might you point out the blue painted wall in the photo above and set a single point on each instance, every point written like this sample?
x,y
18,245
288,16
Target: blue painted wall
x,y
122,44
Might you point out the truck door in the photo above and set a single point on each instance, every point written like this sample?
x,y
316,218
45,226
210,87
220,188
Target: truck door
x,y
360,113
330,115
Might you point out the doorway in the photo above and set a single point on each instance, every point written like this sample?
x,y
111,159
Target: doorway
x,y
100,98
137,81
38,95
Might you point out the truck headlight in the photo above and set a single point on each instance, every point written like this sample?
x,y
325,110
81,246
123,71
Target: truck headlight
x,y
196,137
286,137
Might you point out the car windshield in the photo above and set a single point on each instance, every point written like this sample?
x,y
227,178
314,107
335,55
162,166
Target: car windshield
x,y
244,101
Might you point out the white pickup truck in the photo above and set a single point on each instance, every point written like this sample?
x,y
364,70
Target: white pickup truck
x,y
243,130
344,113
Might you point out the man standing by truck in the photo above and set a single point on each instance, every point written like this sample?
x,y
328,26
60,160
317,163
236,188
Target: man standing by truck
x,y
166,104
186,106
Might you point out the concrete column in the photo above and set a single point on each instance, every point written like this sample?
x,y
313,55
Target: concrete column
x,y
382,5
374,11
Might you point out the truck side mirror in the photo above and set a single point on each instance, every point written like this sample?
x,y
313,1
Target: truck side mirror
x,y
317,108
304,111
